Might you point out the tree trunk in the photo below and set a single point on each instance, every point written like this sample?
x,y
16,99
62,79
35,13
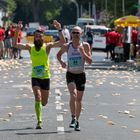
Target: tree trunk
x,y
36,11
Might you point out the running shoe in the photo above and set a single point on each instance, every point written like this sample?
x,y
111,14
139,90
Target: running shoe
x,y
72,124
39,125
77,127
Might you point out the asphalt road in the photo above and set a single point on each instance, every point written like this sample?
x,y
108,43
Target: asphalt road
x,y
111,104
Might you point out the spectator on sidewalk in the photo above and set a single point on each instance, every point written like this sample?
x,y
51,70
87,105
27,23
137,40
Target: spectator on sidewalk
x,y
114,39
8,43
2,34
134,40
66,33
89,37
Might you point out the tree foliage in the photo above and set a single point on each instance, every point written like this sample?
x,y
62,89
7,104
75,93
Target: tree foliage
x,y
11,6
44,11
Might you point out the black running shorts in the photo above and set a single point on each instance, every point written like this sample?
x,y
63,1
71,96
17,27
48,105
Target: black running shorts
x,y
42,83
78,79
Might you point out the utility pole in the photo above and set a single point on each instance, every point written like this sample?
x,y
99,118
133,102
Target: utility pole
x,y
89,9
77,8
139,26
81,10
138,6
123,7
106,5
106,12
94,12
115,9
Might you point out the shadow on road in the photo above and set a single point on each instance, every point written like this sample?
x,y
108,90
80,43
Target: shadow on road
x,y
53,132
10,129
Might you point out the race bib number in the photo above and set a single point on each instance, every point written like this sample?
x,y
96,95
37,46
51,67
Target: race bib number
x,y
75,62
39,71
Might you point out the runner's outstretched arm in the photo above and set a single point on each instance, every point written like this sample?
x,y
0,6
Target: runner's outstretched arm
x,y
59,43
19,45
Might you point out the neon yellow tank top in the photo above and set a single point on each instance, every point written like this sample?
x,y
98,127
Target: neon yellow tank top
x,y
40,63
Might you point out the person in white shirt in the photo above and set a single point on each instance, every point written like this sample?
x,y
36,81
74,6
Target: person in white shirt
x,y
77,54
66,33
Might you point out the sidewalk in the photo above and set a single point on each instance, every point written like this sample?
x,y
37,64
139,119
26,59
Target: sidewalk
x,y
111,65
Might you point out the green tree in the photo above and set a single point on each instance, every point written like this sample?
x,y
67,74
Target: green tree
x,y
23,11
50,11
44,11
68,13
11,6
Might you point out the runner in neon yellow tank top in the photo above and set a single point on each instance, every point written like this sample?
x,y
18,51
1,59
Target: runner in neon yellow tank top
x,y
40,67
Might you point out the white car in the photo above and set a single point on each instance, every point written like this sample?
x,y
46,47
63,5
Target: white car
x,y
85,21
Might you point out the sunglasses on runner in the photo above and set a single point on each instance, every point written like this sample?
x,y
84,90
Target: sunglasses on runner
x,y
77,33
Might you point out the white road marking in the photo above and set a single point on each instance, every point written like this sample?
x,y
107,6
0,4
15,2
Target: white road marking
x,y
21,86
58,98
60,130
59,117
57,91
58,107
58,86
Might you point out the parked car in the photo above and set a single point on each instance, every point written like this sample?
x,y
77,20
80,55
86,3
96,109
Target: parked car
x,y
30,35
82,22
51,35
30,31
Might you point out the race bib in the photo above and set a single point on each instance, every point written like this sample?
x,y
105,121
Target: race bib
x,y
39,71
75,62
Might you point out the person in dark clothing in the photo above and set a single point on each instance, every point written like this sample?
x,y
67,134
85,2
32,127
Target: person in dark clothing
x,y
8,43
134,40
89,36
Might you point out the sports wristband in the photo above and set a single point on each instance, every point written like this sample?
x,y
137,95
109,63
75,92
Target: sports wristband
x,y
60,30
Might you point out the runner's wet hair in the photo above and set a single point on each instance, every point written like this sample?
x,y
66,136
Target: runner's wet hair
x,y
38,31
